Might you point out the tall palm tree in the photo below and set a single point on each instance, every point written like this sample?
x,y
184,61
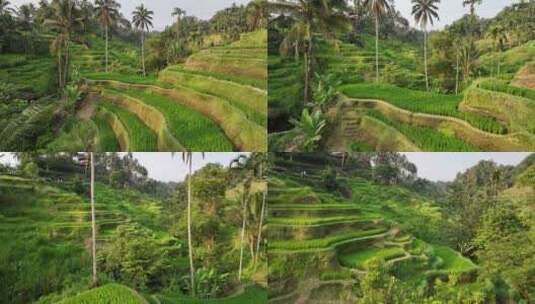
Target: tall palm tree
x,y
187,158
424,12
179,13
143,20
312,16
65,20
108,14
378,9
472,4
498,34
250,169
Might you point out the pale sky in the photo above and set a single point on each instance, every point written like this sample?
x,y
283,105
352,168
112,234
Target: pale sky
x,y
164,167
445,166
203,9
451,10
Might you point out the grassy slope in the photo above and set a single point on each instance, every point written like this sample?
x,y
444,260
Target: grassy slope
x,y
251,294
142,138
110,294
48,227
185,122
399,207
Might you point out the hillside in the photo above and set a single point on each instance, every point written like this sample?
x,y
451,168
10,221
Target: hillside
x,y
344,238
215,90
55,221
466,87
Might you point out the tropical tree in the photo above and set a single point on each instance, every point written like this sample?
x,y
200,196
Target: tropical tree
x,y
4,7
108,14
378,9
310,128
313,16
499,35
256,14
251,170
143,20
425,11
472,4
178,12
187,158
65,20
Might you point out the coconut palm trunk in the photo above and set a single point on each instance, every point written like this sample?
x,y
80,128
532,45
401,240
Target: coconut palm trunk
x,y
425,60
143,52
190,246
457,74
377,49
260,226
106,49
244,203
66,73
307,58
93,222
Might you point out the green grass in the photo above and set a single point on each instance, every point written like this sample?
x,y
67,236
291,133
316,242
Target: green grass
x,y
324,243
107,294
422,102
190,128
141,137
252,294
106,137
358,259
135,79
251,102
320,221
427,139
261,84
504,87
452,261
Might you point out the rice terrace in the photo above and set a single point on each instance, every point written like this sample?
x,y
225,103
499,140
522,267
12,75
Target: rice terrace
x,y
363,76
83,76
134,239
367,228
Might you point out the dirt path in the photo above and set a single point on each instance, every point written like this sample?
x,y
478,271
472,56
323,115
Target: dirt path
x,y
88,109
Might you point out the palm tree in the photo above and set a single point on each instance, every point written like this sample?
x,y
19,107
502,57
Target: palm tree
x,y
187,158
143,20
472,4
312,16
93,222
378,9
424,12
498,34
178,12
65,20
250,169
4,7
256,14
108,13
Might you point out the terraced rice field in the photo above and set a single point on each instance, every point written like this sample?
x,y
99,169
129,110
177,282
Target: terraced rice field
x,y
285,90
251,294
30,73
219,95
309,225
355,66
110,293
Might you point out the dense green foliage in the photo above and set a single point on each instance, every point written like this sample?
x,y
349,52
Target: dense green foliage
x,y
434,232
141,242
